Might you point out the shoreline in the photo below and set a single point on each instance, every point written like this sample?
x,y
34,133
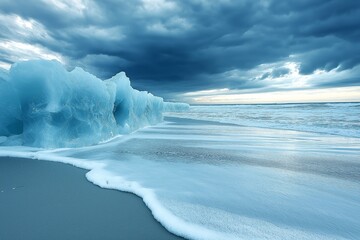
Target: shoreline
x,y
51,200
215,122
202,160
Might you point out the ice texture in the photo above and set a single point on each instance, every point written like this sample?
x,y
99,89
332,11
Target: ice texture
x,y
132,108
50,107
10,116
176,107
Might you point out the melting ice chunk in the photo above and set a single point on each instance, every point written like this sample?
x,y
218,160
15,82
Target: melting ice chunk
x,y
50,107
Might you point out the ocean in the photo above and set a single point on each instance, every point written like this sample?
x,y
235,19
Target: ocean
x,y
330,118
288,171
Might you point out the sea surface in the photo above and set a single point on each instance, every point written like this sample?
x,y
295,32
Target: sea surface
x,y
331,118
236,172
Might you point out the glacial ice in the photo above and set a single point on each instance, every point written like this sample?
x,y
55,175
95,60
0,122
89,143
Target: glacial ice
x,y
10,117
45,105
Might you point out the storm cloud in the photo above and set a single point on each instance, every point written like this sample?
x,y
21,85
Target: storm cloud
x,y
174,47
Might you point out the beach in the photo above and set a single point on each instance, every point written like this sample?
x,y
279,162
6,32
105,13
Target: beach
x,y
200,179
48,200
169,119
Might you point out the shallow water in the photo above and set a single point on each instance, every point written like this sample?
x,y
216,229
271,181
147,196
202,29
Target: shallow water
x,y
207,180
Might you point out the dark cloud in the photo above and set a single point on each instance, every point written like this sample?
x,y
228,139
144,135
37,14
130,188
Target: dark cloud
x,y
346,82
276,73
342,56
178,46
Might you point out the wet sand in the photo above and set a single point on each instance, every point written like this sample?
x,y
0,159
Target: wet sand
x,y
47,200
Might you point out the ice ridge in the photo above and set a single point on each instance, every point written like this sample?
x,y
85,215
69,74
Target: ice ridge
x,y
44,105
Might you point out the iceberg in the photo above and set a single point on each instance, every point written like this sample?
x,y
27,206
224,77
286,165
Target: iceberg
x,y
10,117
176,107
44,105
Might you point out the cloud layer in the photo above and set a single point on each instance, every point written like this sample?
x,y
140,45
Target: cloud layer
x,y
174,47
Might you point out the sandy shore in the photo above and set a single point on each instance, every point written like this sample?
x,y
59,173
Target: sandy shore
x,y
47,200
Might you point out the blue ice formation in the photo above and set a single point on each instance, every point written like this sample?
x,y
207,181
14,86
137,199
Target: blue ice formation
x,y
44,105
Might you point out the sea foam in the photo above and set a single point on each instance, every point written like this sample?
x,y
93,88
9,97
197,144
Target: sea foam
x,y
218,181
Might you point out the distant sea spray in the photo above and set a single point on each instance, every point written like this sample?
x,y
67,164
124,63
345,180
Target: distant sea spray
x,y
44,105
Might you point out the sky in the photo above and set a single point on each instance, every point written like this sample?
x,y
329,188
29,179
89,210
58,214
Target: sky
x,y
197,51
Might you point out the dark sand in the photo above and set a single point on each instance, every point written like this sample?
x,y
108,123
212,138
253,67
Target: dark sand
x,y
42,200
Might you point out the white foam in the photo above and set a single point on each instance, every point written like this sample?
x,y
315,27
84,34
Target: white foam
x,y
198,190
106,179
